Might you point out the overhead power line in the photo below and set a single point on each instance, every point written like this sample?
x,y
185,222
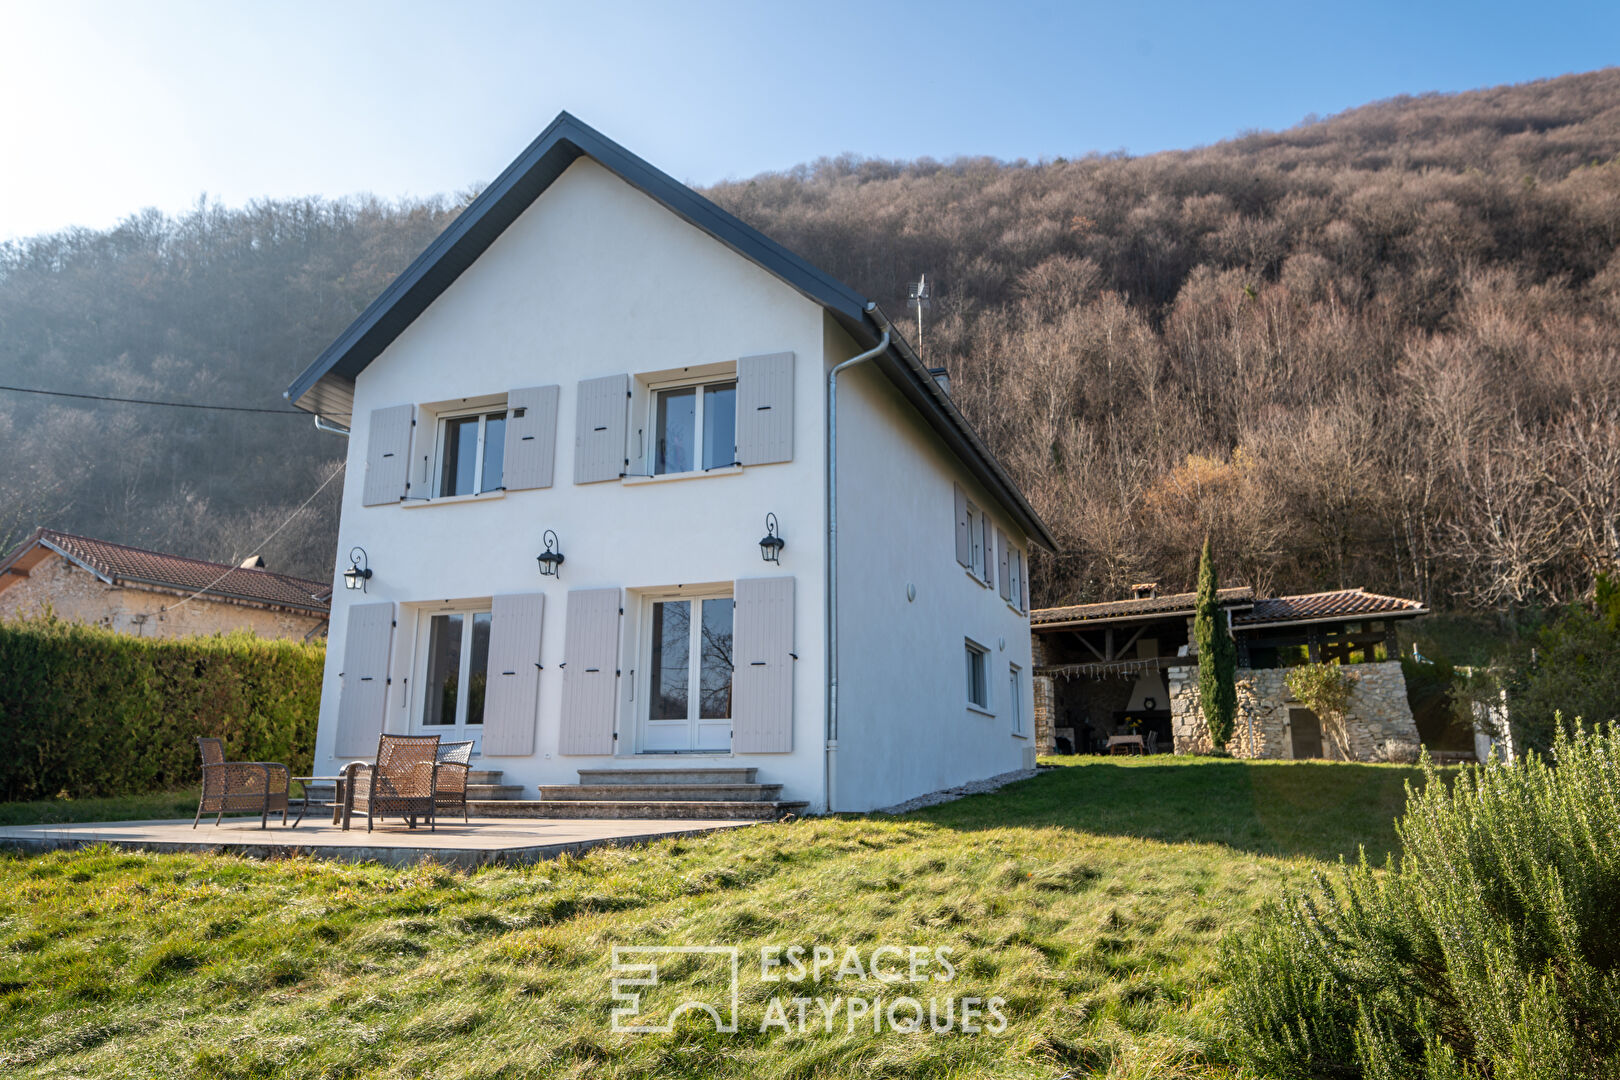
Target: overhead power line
x,y
144,401
259,547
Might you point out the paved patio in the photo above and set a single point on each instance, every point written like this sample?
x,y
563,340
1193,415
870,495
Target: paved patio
x,y
484,840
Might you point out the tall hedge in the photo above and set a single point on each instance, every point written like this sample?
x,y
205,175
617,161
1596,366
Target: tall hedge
x,y
92,712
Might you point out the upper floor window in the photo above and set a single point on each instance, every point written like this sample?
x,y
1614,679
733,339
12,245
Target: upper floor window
x,y
694,427
472,450
976,552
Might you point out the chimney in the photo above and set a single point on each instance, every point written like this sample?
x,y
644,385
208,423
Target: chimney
x,y
942,377
1147,590
253,562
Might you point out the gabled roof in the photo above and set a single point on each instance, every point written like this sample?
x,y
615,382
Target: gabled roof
x,y
120,564
326,387
1171,604
1327,606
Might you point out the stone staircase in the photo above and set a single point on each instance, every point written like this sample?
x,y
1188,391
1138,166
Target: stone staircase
x,y
671,792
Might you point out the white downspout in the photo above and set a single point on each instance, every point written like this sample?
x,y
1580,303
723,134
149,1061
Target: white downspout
x,y
323,424
830,765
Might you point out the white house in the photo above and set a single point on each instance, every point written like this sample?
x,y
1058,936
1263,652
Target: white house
x,y
596,352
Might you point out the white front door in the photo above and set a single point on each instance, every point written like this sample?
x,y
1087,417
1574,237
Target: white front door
x,y
455,675
688,698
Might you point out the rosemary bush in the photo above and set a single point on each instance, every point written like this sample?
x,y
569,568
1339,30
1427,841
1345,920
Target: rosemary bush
x,y
1491,949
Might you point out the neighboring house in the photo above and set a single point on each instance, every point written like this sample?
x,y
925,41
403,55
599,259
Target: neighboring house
x,y
1103,667
146,593
594,352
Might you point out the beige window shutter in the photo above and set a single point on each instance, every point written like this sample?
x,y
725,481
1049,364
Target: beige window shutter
x,y
531,439
762,679
964,540
765,409
1001,564
388,453
363,696
601,415
590,692
512,689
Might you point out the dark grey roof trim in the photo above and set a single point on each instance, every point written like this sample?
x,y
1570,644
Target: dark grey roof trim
x,y
326,386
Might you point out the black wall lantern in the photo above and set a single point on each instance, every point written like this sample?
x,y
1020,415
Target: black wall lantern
x,y
551,559
771,545
359,571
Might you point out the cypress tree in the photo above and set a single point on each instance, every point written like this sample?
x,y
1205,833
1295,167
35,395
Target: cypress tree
x,y
1217,656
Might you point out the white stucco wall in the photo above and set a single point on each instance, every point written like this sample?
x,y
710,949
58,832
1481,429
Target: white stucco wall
x,y
905,728
595,279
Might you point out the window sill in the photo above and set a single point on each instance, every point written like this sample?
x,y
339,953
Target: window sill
x,y
446,500
980,710
664,478
977,579
1016,610
1020,735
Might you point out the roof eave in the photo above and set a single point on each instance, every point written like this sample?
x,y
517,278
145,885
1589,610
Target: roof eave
x,y
1353,616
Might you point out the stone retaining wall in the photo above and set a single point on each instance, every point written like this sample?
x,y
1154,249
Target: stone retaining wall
x,y
1378,724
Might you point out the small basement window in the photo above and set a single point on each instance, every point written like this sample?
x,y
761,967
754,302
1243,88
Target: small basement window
x,y
471,452
978,686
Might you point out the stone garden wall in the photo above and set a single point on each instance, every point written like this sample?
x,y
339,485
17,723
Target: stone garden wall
x,y
1378,726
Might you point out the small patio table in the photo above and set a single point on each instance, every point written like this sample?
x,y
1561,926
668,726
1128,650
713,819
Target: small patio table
x,y
1126,744
322,782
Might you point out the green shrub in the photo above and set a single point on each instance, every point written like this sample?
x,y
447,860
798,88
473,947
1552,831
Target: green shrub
x,y
95,713
1491,949
1571,667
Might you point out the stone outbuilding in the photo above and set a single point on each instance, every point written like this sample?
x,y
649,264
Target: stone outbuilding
x,y
1130,665
152,594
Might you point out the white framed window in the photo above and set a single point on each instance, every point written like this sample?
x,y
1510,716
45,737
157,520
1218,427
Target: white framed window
x,y
688,663
978,683
470,451
1015,698
976,553
456,672
694,426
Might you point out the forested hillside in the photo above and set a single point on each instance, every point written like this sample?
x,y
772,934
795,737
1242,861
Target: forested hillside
x,y
1381,349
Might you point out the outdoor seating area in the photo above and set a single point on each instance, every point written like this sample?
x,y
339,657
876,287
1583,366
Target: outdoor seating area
x,y
412,779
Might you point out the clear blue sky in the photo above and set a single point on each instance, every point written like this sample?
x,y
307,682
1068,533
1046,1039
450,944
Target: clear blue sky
x,y
106,108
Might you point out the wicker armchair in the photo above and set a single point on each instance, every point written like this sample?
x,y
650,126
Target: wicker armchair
x,y
450,785
240,785
399,785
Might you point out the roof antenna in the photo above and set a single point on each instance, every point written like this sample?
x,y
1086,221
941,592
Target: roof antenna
x,y
919,300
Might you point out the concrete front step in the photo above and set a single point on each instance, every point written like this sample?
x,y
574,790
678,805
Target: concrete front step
x,y
662,792
681,808
483,776
670,774
488,792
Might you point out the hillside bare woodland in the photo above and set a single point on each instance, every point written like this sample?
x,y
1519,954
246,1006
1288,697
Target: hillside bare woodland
x,y
1380,349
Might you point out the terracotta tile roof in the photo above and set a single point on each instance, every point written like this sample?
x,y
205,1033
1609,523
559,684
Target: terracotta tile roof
x,y
1339,604
139,566
1152,605
1247,610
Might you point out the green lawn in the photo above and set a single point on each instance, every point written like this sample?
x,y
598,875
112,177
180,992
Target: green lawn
x,y
1091,898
